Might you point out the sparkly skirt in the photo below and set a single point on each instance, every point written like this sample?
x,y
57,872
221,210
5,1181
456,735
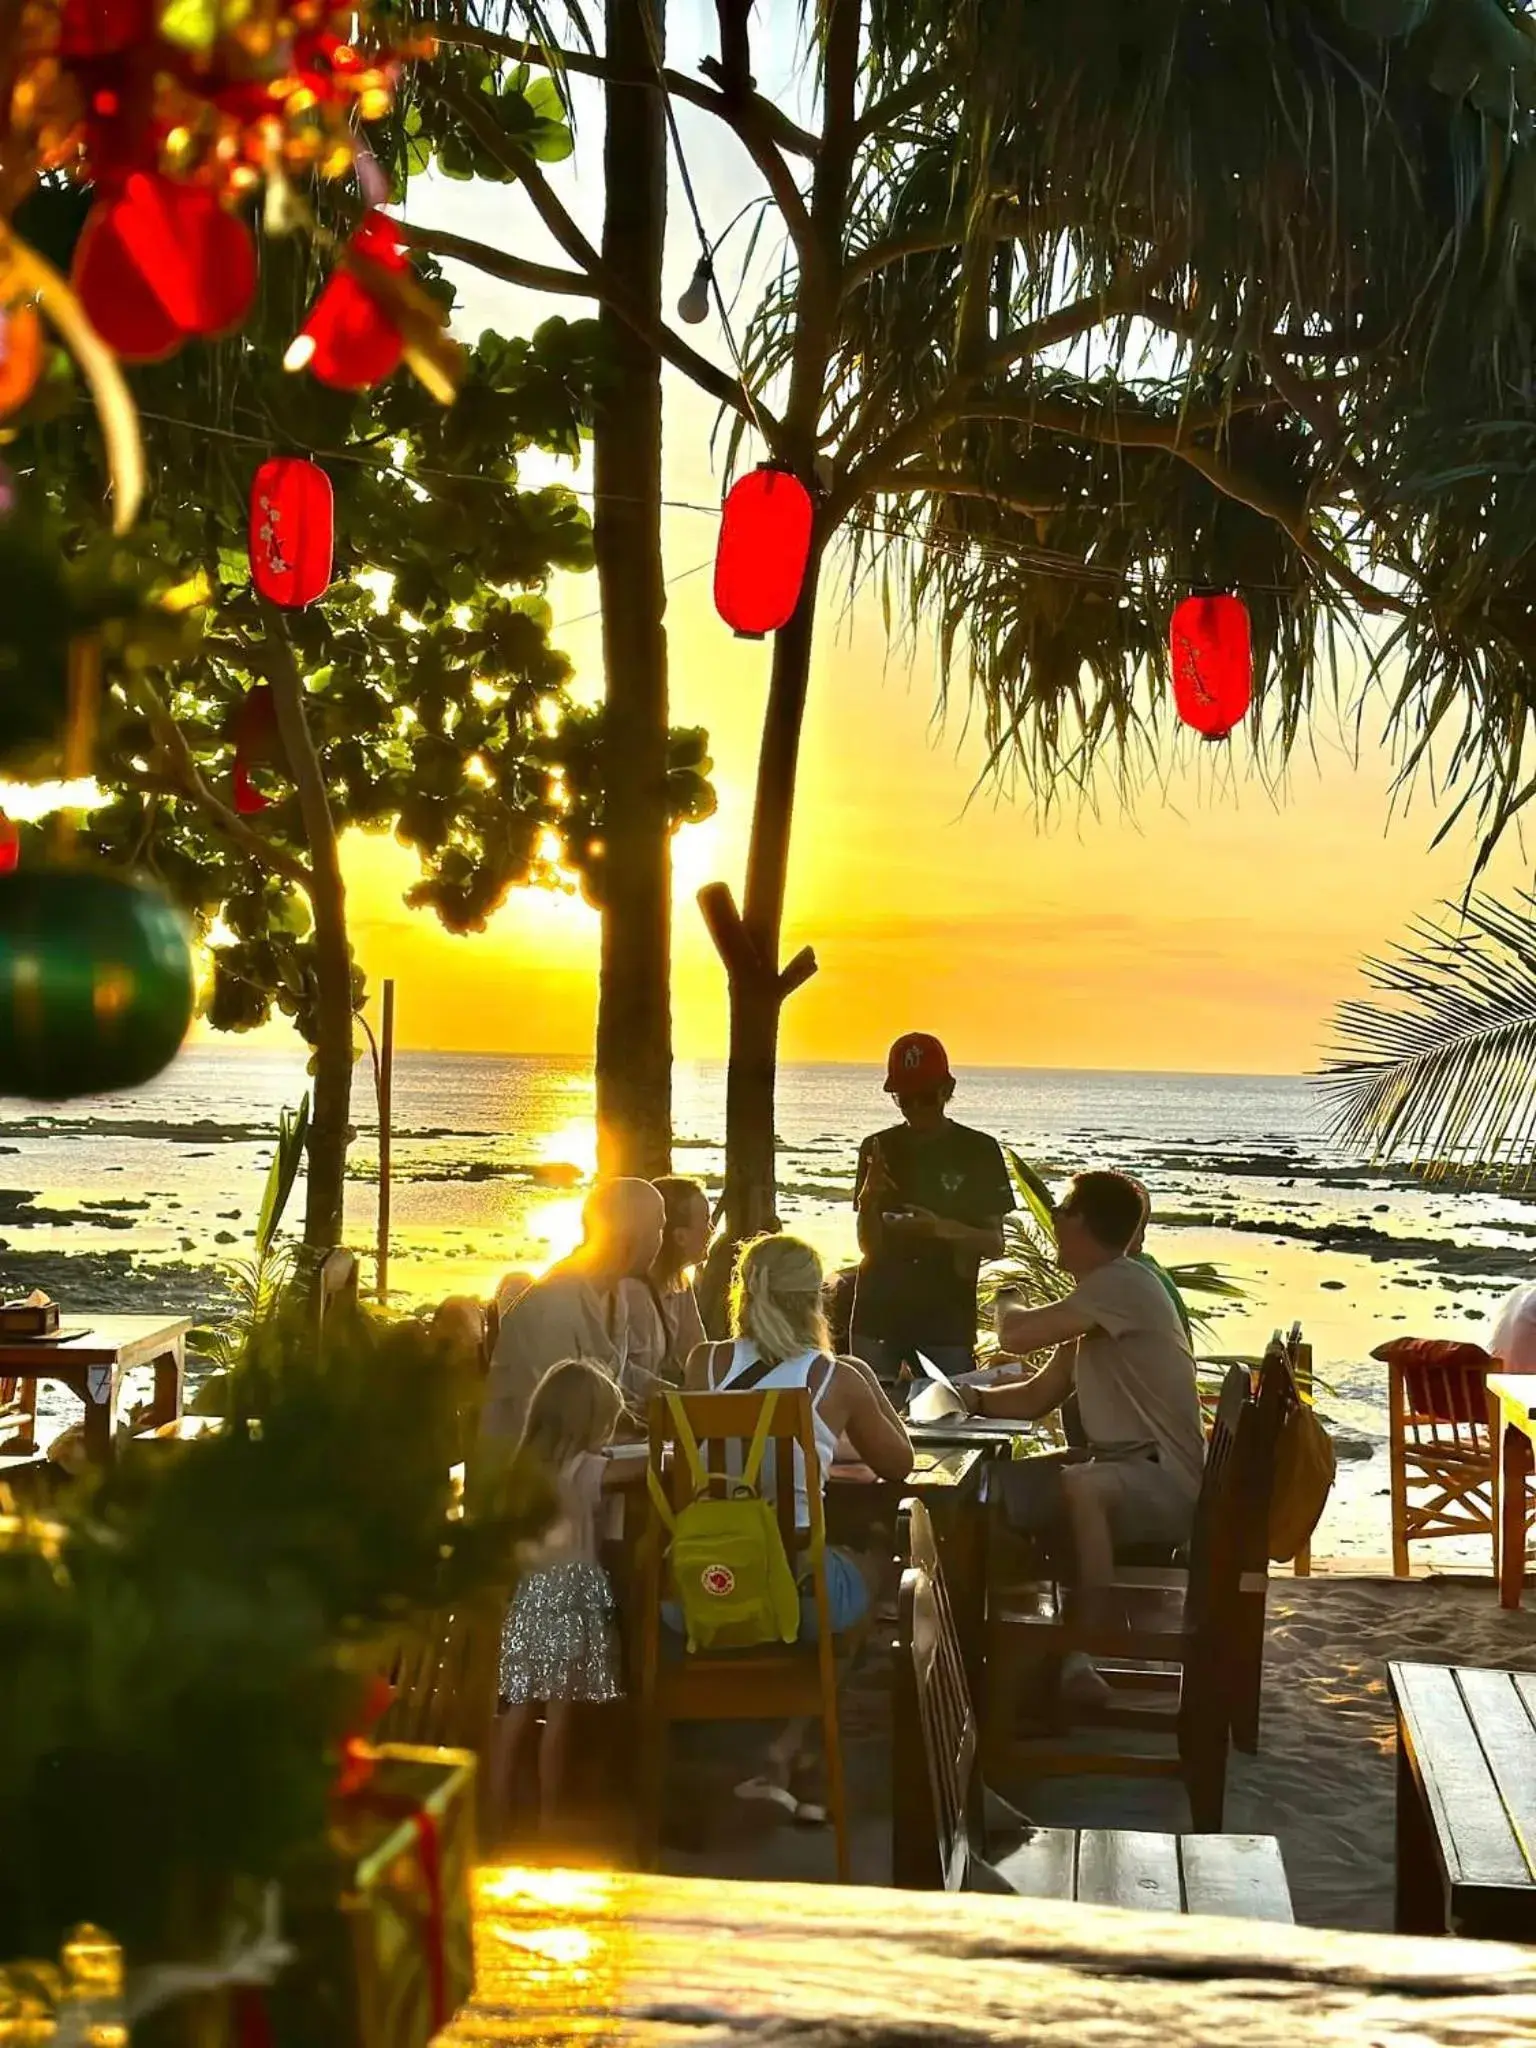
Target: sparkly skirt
x,y
558,1641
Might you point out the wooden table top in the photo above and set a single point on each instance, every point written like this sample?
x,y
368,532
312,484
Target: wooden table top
x,y
942,1469
588,1958
105,1340
1472,1743
1516,1394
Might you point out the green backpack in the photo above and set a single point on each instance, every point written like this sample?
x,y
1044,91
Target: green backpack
x,y
732,1578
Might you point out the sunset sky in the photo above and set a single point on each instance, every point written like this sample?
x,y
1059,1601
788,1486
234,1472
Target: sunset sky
x,y
1213,929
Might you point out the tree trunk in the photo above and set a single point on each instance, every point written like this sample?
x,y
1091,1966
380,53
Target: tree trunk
x,y
749,947
330,1123
634,1010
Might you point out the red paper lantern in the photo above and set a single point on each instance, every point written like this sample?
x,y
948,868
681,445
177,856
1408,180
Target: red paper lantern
x,y
292,531
765,544
10,845
159,261
351,340
1212,653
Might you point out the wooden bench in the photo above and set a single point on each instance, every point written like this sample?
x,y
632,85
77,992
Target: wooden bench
x,y
1230,1877
1466,1801
939,1806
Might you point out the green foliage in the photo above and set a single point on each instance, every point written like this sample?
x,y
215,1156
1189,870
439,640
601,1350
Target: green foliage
x,y
435,699
179,1683
576,753
1440,1069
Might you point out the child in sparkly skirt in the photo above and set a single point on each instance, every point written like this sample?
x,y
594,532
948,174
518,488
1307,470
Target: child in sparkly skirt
x,y
558,1643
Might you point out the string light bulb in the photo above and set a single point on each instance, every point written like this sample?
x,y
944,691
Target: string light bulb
x,y
693,306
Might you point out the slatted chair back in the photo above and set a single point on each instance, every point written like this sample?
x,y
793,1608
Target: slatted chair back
x,y
1213,1565
723,1426
935,1807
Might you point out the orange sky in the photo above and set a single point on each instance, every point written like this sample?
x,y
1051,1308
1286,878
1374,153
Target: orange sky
x,y
1213,931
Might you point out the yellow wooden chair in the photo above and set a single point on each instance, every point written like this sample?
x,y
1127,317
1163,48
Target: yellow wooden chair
x,y
776,1682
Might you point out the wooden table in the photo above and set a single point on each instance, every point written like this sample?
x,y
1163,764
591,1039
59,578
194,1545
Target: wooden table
x,y
589,1959
1513,1396
93,1366
1466,1801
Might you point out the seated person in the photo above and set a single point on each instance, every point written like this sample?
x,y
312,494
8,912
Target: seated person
x,y
782,1341
679,1327
1122,1348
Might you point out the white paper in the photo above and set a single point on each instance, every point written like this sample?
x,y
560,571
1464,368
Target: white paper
x,y
937,1401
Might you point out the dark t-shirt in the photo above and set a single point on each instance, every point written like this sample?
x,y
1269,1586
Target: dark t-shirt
x,y
923,1294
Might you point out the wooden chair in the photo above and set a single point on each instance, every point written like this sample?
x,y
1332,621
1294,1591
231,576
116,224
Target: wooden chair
x,y
1443,1453
18,1406
775,1682
1200,1633
939,1805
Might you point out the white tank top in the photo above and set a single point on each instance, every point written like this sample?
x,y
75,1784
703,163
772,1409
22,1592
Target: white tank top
x,y
790,1372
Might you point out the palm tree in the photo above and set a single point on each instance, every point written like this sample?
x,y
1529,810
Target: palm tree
x,y
1442,1073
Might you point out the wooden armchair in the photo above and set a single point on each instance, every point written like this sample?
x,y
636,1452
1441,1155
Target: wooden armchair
x,y
1202,1633
775,1682
1442,1445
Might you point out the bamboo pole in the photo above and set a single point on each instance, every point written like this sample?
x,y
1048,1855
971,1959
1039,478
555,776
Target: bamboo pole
x,y
386,1094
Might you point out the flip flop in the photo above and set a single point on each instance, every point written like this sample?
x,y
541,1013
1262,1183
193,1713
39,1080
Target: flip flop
x,y
763,1791
809,1814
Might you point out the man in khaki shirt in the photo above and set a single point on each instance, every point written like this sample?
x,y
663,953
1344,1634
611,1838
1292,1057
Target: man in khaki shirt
x,y
1121,1347
583,1308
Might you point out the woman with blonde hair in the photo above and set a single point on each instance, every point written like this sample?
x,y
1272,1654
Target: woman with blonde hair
x,y
782,1342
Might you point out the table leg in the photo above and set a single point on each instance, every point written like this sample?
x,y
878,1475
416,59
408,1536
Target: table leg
x,y
1515,1463
1420,1904
170,1370
98,1389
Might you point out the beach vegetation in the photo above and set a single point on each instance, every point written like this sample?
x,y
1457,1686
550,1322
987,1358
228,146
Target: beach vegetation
x,y
1438,1067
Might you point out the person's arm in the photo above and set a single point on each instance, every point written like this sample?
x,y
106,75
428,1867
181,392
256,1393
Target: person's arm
x,y
1039,1329
983,1240
872,1426
874,1193
1027,1400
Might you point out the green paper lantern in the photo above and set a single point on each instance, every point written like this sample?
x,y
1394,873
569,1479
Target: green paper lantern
x,y
96,982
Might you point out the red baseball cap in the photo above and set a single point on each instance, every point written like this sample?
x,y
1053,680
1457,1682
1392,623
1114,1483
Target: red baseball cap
x,y
918,1064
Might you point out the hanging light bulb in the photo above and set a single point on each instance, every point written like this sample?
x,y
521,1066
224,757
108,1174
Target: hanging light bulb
x,y
693,306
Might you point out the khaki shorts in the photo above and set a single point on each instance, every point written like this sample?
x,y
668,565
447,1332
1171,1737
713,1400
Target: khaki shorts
x,y
1146,1503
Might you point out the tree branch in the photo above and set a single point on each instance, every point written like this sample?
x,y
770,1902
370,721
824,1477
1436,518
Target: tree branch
x,y
742,114
904,100
1121,295
1131,430
538,277
935,482
775,124
603,285
186,780
942,234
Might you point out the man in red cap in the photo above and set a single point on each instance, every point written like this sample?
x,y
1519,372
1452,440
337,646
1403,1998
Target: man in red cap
x,y
931,1196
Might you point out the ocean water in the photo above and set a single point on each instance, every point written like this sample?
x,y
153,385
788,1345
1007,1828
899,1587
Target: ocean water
x,y
491,1156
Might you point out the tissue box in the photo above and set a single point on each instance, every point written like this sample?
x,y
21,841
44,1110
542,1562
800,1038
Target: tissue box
x,y
29,1319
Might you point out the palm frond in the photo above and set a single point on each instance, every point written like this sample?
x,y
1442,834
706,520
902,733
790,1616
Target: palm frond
x,y
1442,1071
